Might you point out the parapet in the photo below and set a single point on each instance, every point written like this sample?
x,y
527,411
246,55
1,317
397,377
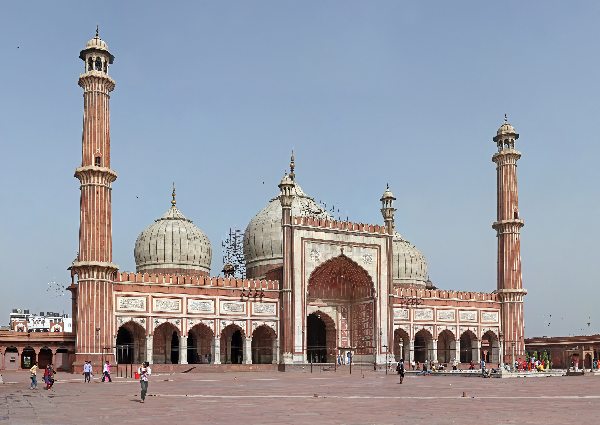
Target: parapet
x,y
218,282
337,224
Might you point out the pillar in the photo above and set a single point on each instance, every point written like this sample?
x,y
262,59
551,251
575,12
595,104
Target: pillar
x,y
247,358
2,349
136,349
183,350
434,353
149,348
215,350
476,346
458,351
275,351
19,355
411,348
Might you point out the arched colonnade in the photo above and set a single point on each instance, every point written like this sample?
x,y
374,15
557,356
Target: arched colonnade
x,y
468,348
167,345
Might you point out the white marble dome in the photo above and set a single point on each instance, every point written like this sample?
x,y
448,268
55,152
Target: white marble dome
x,y
263,236
506,128
409,265
173,244
96,43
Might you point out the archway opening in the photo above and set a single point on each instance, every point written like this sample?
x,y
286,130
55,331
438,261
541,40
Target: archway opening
x,y
263,339
490,349
44,357
423,346
131,343
232,345
27,358
164,337
445,349
11,358
466,347
320,338
342,285
401,345
200,344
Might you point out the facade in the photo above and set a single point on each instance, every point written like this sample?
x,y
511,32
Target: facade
x,y
565,352
23,321
317,287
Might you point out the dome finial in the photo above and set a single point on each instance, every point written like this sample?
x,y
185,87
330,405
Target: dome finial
x,y
505,119
173,202
96,29
292,165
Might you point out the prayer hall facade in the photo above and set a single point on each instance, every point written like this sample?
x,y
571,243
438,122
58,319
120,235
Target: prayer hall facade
x,y
315,287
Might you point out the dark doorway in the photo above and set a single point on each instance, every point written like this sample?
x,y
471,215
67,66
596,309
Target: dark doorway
x,y
174,348
466,350
192,350
420,348
236,348
124,346
316,339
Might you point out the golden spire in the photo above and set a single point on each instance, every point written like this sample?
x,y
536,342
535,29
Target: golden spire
x,y
173,201
292,175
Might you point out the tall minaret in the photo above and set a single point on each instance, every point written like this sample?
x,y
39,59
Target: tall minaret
x,y
508,225
94,266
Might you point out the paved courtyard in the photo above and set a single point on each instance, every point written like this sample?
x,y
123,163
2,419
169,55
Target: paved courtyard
x,y
299,398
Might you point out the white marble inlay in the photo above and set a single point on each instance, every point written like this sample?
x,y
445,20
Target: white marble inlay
x,y
200,306
131,303
468,316
164,304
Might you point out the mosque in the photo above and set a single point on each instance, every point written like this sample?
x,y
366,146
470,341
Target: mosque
x,y
315,287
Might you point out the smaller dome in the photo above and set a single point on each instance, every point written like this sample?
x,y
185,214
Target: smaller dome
x,y
173,245
96,43
506,128
387,194
409,265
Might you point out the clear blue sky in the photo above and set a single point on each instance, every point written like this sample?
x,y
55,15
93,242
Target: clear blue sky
x,y
214,96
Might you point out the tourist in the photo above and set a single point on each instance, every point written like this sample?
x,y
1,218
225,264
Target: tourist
x,y
482,365
86,371
33,372
106,372
454,364
144,371
412,364
400,370
425,365
471,367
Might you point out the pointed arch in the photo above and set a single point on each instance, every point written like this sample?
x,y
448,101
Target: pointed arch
x,y
263,344
131,342
340,278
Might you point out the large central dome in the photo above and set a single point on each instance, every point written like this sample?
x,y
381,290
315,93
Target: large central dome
x,y
263,237
173,245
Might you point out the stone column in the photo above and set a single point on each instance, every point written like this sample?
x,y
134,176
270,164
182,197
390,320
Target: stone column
x,y
183,350
149,348
216,350
168,351
458,351
411,348
434,353
228,351
476,356
53,351
453,353
136,350
247,357
275,351
19,359
2,355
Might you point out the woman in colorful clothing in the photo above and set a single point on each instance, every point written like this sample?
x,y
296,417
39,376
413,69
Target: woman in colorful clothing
x,y
47,376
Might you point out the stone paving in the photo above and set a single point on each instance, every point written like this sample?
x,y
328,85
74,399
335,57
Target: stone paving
x,y
299,398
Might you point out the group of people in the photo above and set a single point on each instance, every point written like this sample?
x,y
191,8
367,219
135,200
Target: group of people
x,y
344,359
533,364
88,371
49,373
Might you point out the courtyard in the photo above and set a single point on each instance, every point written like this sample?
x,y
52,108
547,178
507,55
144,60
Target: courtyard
x,y
298,398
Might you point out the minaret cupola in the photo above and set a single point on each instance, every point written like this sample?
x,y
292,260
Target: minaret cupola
x,y
96,55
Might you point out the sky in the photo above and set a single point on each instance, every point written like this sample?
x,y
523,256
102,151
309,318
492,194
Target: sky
x,y
215,95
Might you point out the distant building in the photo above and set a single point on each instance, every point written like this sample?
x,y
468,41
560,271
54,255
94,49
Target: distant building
x,y
23,321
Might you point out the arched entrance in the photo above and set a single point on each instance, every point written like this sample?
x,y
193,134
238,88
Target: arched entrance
x,y
490,348
423,346
401,345
27,358
466,346
445,346
44,357
131,343
232,345
320,338
342,286
263,339
200,344
166,344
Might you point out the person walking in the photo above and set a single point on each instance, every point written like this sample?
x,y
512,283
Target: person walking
x,y
454,364
33,372
47,376
400,370
144,371
412,364
87,371
106,372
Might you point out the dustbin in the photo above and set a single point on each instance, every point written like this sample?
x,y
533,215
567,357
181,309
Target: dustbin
x,y
137,375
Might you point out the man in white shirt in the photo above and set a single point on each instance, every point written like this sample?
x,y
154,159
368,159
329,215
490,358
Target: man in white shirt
x,y
144,371
454,364
87,371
